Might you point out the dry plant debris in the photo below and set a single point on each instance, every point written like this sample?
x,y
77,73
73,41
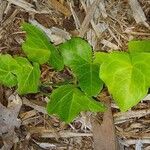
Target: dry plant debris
x,y
107,26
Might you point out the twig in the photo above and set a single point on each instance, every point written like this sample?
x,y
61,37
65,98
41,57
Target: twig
x,y
11,18
109,44
3,6
121,116
34,106
64,134
76,19
23,4
132,141
88,18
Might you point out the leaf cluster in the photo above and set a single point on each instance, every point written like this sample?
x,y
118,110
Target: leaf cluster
x,y
67,101
126,74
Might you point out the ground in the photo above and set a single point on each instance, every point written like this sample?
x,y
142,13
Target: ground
x,y
107,26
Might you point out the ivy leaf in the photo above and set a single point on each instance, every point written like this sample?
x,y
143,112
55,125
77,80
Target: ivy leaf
x,y
139,46
76,48
37,46
88,77
28,76
7,67
77,55
67,102
56,60
100,57
127,77
142,61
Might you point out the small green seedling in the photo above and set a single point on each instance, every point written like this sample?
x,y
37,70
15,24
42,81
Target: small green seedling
x,y
126,74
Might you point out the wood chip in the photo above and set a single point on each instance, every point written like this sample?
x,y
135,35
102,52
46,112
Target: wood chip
x,y
138,13
3,6
130,114
133,142
44,133
11,18
105,131
102,9
34,106
75,17
88,18
109,44
59,7
23,4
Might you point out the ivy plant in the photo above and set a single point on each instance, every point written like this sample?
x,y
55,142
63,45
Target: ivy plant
x,y
126,74
66,101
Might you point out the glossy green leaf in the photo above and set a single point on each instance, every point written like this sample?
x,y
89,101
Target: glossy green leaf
x,y
127,77
56,60
7,67
37,46
28,76
100,57
139,46
88,77
77,55
67,102
76,48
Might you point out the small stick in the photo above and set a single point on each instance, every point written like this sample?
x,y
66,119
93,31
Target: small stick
x,y
88,18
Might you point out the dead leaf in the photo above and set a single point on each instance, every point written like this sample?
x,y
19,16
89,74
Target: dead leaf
x,y
9,120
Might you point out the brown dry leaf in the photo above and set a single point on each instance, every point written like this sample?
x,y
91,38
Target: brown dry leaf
x,y
9,120
105,131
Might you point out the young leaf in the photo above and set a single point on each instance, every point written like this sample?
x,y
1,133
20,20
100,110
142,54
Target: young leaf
x,y
28,76
67,102
77,55
127,77
37,46
7,67
139,46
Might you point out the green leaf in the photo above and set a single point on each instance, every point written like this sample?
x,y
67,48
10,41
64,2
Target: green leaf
x,y
67,102
37,46
76,48
127,77
100,57
88,77
28,76
7,67
139,46
56,60
77,55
